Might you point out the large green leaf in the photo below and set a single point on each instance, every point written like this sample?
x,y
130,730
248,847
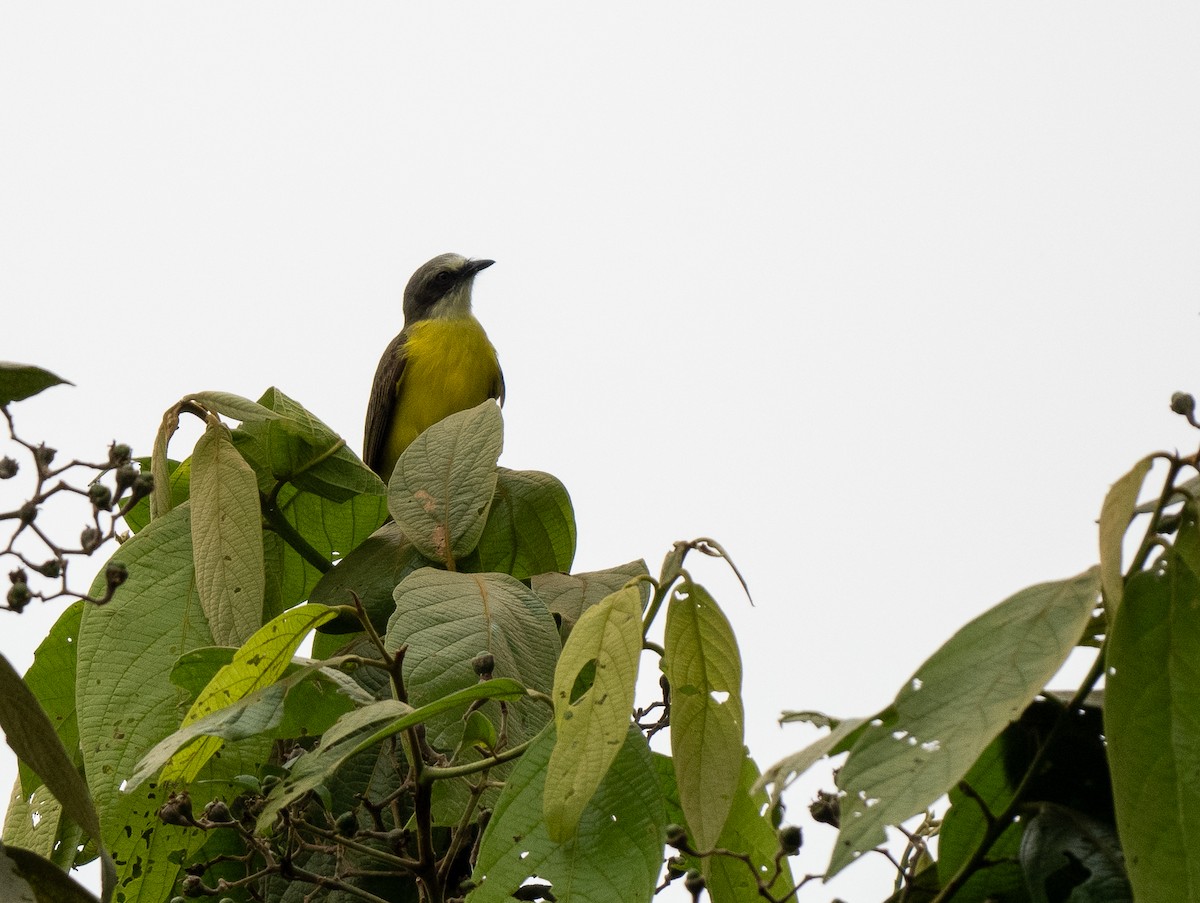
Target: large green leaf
x,y
126,701
1115,515
616,853
704,670
21,381
530,528
257,664
295,447
592,728
1152,722
443,485
32,737
570,595
955,704
226,537
51,678
447,619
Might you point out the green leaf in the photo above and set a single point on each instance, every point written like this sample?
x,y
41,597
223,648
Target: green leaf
x,y
704,670
570,595
372,572
126,701
623,824
21,381
1115,515
530,528
25,876
360,730
443,485
954,706
295,447
260,713
332,528
1066,855
1152,722
591,729
234,406
226,537
447,619
51,678
34,740
746,830
257,664
964,827
35,822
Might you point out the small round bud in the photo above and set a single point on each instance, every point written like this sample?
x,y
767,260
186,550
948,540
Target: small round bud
x,y
115,573
19,596
18,576
1183,403
484,664
790,839
694,882
216,811
100,496
44,456
27,513
8,468
193,886
125,475
347,824
90,539
826,809
676,866
50,568
677,836
119,453
177,810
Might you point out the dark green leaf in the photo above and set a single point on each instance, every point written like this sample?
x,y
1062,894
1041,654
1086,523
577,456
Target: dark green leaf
x,y
51,678
1070,858
21,381
1152,722
27,876
530,528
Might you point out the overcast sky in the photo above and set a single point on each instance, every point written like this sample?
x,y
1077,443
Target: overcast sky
x,y
881,296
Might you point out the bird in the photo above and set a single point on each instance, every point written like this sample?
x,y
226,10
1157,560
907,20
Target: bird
x,y
442,362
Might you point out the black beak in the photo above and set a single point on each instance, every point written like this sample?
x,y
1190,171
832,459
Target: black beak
x,y
474,266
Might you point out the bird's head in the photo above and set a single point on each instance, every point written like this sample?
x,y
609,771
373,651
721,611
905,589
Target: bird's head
x,y
441,288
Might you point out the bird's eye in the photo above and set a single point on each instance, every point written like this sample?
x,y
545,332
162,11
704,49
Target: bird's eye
x,y
443,278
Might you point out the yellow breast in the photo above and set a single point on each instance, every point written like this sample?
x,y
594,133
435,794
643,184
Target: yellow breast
x,y
449,366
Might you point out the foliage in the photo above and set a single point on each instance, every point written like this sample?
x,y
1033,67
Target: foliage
x,y
467,726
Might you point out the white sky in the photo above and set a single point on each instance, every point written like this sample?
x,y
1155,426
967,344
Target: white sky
x,y
882,296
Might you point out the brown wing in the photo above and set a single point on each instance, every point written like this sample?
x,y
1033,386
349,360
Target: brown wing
x,y
383,403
